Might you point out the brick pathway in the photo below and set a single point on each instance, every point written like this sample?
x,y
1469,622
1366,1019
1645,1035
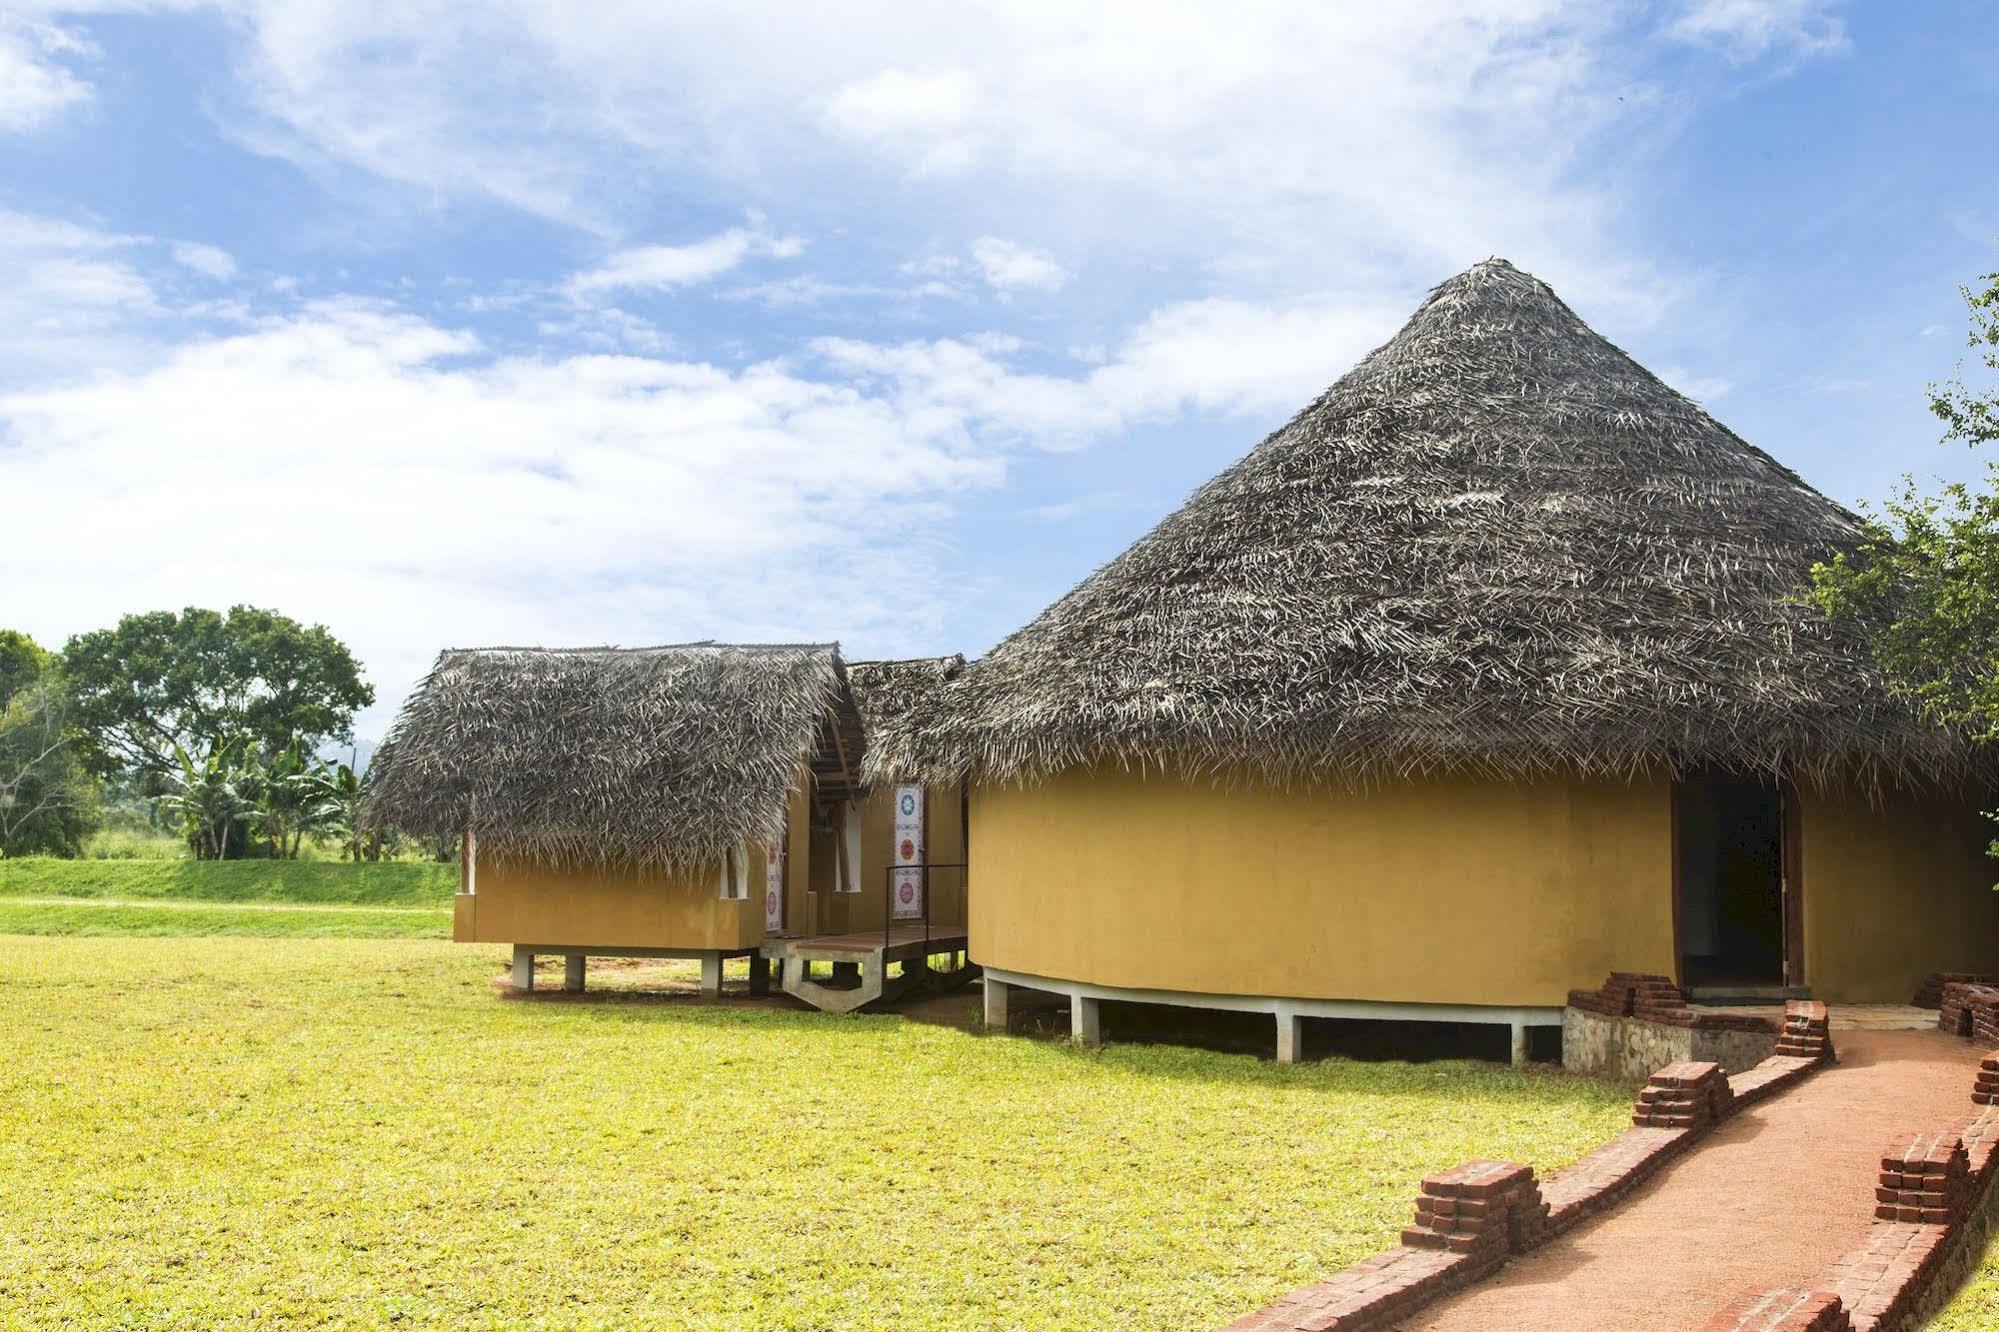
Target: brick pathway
x,y
1770,1198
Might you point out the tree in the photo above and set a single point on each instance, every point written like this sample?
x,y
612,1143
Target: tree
x,y
1924,584
193,682
48,804
22,660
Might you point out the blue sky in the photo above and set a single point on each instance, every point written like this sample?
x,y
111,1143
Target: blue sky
x,y
575,323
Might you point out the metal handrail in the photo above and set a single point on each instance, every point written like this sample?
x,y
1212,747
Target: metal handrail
x,y
888,894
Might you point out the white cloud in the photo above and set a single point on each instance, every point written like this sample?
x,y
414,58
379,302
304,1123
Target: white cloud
x,y
361,466
1008,267
370,469
1082,506
805,290
1268,185
923,116
1747,30
210,261
34,88
75,297
665,267
1292,146
1213,356
1701,388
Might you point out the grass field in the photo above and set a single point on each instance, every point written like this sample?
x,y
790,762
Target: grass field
x,y
367,883
233,1132
263,898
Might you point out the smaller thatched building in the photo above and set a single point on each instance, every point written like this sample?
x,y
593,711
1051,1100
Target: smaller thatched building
x,y
699,800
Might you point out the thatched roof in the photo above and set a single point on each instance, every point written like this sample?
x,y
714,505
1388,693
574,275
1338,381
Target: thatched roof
x,y
1498,544
658,757
895,696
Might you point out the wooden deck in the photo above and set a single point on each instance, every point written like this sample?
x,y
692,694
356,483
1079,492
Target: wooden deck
x,y
868,953
901,943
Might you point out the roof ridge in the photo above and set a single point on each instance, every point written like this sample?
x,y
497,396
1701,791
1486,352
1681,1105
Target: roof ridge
x,y
608,648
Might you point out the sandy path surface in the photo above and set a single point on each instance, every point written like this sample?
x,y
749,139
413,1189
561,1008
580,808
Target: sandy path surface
x,y
1768,1199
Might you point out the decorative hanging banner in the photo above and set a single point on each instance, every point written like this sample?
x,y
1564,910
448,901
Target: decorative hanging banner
x,y
906,884
774,887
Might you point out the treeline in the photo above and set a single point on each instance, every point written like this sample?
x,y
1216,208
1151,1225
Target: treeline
x,y
209,725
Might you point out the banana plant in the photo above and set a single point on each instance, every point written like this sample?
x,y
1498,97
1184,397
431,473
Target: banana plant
x,y
212,794
346,826
298,796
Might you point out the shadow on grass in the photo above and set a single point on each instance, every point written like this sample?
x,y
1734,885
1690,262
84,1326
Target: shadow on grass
x,y
1189,1045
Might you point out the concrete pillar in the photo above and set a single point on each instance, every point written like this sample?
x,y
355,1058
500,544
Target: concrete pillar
x,y
1085,1020
759,975
996,997
711,973
523,969
1519,1045
572,973
1290,1037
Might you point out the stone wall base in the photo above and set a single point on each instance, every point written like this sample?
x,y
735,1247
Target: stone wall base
x,y
1623,1047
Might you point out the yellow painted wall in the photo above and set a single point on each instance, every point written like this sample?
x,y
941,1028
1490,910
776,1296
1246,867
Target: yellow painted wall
x,y
611,908
606,908
1894,889
944,843
841,913
1445,891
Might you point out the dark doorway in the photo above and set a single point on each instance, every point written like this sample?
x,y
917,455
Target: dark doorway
x,y
1732,891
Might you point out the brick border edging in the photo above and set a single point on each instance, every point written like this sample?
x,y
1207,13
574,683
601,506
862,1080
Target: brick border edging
x,y
1471,1219
1656,999
1930,993
1935,1209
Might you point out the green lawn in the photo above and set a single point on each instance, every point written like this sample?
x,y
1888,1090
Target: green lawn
x,y
37,915
234,1132
327,882
261,898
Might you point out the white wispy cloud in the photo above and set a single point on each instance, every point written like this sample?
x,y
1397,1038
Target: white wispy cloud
x,y
1212,356
1701,388
405,481
1063,511
925,117
35,85
371,469
392,476
79,298
1418,136
1747,30
666,267
76,298
1009,267
208,260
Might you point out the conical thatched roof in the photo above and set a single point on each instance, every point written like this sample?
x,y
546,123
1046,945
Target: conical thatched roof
x,y
658,757
1498,544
